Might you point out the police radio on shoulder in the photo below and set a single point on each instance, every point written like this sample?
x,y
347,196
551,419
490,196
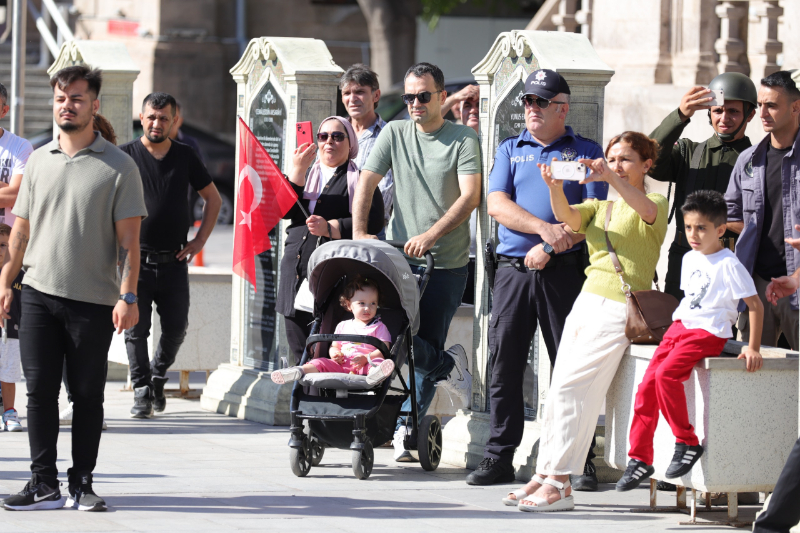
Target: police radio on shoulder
x,y
568,170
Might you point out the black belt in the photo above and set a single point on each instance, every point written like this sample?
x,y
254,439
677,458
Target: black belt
x,y
725,242
505,261
154,258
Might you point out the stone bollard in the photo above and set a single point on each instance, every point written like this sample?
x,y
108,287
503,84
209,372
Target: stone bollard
x,y
280,81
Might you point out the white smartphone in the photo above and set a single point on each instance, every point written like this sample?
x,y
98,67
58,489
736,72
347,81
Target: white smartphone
x,y
717,97
568,170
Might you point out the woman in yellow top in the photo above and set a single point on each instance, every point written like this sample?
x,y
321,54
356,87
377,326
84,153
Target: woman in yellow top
x,y
594,338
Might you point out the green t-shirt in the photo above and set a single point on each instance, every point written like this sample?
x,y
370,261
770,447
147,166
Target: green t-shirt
x,y
426,168
637,243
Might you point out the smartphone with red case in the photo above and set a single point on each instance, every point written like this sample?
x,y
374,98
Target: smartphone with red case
x,y
304,133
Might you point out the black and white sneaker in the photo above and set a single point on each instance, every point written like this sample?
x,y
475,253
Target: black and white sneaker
x,y
82,496
636,472
36,496
142,402
683,460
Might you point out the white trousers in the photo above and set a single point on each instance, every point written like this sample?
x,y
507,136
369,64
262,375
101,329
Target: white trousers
x,y
591,348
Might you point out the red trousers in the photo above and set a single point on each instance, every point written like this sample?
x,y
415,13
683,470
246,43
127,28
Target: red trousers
x,y
662,388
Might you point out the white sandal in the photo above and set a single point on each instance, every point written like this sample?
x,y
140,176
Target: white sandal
x,y
287,375
520,494
566,503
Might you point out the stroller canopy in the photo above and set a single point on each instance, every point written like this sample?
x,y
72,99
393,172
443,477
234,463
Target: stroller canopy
x,y
335,259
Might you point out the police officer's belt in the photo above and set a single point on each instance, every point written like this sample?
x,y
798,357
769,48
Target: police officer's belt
x,y
572,258
154,258
726,242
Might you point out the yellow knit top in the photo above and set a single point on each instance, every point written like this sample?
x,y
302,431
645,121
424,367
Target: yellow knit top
x,y
636,242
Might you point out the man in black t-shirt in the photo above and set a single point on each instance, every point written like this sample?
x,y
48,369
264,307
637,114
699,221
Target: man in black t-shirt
x,y
168,169
763,207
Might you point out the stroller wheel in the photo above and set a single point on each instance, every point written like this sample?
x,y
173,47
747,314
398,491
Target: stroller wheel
x,y
317,451
363,460
429,442
300,460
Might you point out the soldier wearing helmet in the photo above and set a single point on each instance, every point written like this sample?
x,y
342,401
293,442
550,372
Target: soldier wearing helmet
x,y
694,166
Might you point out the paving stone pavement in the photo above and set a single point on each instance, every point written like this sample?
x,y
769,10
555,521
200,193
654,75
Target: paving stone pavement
x,y
191,470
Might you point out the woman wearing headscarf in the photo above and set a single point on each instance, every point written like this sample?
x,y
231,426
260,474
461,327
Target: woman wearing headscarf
x,y
326,192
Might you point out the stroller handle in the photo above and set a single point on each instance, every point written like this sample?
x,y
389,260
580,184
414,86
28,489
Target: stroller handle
x,y
426,276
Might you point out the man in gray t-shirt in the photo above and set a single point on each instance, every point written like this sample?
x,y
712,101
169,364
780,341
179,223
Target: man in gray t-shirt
x,y
79,210
437,184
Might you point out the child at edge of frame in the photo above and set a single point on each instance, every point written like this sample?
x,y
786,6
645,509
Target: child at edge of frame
x,y
10,369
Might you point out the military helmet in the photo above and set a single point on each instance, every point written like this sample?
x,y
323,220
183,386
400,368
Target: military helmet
x,y
735,86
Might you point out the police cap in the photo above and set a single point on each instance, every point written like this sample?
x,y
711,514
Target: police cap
x,y
546,83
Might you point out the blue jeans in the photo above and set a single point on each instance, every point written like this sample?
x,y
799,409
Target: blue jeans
x,y
437,307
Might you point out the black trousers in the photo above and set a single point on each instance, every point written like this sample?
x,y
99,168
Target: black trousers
x,y
672,284
521,299
298,328
166,285
54,330
783,511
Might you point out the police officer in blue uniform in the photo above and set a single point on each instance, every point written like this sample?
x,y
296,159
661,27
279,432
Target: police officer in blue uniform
x,y
540,261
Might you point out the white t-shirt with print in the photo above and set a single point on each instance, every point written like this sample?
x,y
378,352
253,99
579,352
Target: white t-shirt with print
x,y
14,153
713,285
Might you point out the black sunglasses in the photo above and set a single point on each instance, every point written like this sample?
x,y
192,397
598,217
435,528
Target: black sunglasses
x,y
337,136
541,103
424,97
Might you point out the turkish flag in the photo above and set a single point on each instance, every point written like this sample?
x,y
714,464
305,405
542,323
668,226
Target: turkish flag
x,y
264,197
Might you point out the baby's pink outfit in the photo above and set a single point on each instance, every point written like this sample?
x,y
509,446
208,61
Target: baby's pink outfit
x,y
376,328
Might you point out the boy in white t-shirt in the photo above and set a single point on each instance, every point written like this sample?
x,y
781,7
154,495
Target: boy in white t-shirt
x,y
713,281
14,153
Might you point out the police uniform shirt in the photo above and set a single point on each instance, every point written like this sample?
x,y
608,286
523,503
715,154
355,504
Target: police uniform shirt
x,y
515,173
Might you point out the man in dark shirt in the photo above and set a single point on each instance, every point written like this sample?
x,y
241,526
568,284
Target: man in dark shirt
x,y
695,166
168,168
763,207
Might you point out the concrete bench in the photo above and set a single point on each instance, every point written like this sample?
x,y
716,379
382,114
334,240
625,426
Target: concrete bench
x,y
208,338
747,422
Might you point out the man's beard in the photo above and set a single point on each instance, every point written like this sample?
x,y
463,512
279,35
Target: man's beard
x,y
70,127
156,140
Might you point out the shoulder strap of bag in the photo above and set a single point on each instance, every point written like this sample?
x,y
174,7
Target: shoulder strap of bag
x,y
614,259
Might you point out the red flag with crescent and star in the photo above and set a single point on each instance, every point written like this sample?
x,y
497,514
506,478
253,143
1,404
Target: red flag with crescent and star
x,y
263,198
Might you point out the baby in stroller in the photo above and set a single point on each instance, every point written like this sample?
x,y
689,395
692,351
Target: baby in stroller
x,y
361,297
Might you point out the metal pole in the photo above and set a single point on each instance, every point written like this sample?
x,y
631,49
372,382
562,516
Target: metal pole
x,y
18,54
241,25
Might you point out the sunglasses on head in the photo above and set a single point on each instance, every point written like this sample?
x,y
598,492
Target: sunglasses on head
x,y
541,103
424,97
336,136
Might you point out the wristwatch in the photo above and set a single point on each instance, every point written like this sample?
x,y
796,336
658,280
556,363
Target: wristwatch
x,y
129,298
546,248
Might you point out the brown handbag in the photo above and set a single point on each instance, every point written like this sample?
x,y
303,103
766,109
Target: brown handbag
x,y
649,312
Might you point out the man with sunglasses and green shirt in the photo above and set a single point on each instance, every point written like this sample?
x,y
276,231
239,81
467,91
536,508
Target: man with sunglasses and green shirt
x,y
437,184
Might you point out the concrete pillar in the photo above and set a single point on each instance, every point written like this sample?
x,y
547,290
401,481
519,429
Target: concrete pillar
x,y
732,42
501,75
762,42
692,34
280,81
119,73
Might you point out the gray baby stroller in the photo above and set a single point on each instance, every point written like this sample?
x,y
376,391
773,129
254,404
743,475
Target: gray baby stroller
x,y
341,410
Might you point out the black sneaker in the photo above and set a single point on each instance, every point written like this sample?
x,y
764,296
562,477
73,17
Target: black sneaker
x,y
636,472
159,400
586,482
666,486
683,460
37,495
491,471
142,403
82,497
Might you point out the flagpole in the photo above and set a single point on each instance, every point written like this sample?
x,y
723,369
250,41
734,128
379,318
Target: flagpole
x,y
303,209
